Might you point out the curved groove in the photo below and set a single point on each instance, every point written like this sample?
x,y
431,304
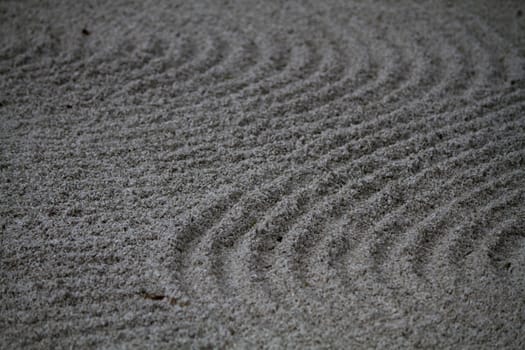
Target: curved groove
x,y
382,245
508,239
439,220
312,83
399,111
239,219
378,124
464,245
279,173
190,230
463,241
255,102
236,61
438,215
298,209
390,194
212,55
436,132
398,212
377,152
364,253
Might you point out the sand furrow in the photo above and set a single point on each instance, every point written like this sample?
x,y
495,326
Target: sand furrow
x,y
243,174
297,214
410,263
467,239
389,223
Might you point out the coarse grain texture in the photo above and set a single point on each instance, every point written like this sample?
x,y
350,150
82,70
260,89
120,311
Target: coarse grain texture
x,y
262,174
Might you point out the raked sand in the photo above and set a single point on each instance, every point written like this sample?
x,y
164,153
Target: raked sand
x,y
262,174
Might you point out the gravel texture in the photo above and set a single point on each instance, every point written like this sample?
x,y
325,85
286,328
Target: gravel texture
x,y
262,174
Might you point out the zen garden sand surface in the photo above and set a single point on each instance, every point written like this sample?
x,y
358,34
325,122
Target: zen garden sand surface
x,y
262,174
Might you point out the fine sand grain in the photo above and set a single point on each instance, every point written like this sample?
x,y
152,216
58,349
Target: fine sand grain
x,y
262,174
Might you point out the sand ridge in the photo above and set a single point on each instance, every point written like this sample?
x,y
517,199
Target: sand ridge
x,y
240,174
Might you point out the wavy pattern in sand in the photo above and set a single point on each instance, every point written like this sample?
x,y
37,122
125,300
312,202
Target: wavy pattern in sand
x,y
320,173
400,129
407,138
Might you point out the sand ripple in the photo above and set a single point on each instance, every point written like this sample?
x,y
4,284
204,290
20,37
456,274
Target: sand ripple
x,y
315,174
